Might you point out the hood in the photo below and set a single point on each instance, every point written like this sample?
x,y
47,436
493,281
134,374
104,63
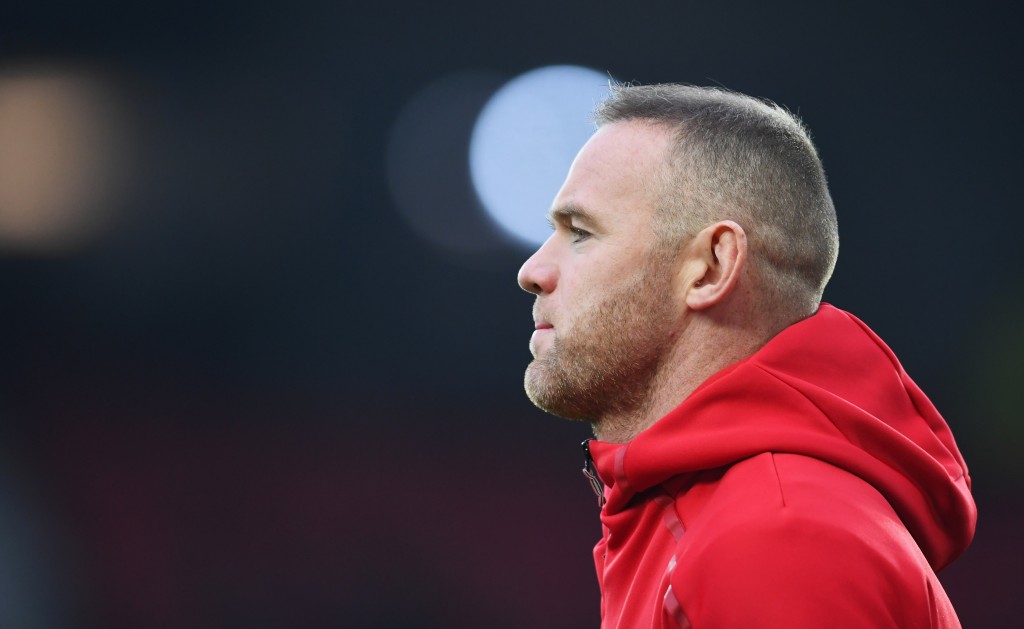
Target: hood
x,y
826,387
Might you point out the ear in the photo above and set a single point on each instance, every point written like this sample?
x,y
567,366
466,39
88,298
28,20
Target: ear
x,y
717,257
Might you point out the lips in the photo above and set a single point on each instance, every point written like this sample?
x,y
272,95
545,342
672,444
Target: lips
x,y
539,320
540,338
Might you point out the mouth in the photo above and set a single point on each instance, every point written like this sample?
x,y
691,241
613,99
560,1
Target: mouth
x,y
540,336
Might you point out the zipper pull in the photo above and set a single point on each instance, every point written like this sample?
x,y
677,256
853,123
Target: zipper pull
x,y
591,473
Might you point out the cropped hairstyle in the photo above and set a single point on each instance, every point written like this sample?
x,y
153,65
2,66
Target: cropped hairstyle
x,y
744,159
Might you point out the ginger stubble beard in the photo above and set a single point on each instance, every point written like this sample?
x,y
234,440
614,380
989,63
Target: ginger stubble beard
x,y
604,369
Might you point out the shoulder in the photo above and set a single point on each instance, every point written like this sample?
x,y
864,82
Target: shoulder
x,y
799,541
784,508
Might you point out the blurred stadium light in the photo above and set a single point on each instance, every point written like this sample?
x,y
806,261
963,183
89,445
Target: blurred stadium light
x,y
62,158
524,141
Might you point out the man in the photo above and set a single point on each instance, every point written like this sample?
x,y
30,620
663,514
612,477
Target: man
x,y
762,458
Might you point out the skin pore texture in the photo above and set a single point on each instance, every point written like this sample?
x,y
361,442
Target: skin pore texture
x,y
626,326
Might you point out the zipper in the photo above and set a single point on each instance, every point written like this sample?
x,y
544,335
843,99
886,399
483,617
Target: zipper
x,y
591,473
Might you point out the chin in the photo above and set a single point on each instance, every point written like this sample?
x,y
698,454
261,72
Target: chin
x,y
547,395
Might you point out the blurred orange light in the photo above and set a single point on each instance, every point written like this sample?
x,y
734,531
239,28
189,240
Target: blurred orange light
x,y
61,159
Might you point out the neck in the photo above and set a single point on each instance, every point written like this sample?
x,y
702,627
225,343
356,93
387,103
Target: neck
x,y
710,347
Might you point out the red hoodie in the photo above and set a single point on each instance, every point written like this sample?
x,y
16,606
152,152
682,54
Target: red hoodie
x,y
810,485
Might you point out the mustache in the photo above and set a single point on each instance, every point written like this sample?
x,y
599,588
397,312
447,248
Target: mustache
x,y
539,314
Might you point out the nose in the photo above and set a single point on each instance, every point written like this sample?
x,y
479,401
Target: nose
x,y
539,275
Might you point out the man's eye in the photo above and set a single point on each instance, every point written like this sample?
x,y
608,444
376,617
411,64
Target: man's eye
x,y
578,235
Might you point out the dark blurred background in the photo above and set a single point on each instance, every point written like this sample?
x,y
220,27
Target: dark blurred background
x,y
238,387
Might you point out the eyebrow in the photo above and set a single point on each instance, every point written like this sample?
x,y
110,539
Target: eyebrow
x,y
566,213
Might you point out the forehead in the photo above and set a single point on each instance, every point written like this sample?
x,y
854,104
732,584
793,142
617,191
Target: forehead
x,y
615,174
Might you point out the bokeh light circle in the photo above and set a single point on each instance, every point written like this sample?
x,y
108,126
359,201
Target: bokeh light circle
x,y
63,159
524,141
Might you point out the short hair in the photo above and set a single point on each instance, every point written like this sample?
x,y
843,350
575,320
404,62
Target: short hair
x,y
745,159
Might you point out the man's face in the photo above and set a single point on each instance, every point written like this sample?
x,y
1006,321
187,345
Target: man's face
x,y
605,312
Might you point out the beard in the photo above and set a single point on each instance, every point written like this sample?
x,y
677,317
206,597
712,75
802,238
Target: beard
x,y
608,363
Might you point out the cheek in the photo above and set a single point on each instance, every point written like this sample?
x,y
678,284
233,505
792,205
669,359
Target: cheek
x,y
579,289
589,285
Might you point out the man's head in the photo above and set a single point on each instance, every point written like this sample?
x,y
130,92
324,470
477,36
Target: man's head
x,y
651,234
748,160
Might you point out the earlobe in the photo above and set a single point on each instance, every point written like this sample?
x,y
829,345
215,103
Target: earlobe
x,y
722,249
